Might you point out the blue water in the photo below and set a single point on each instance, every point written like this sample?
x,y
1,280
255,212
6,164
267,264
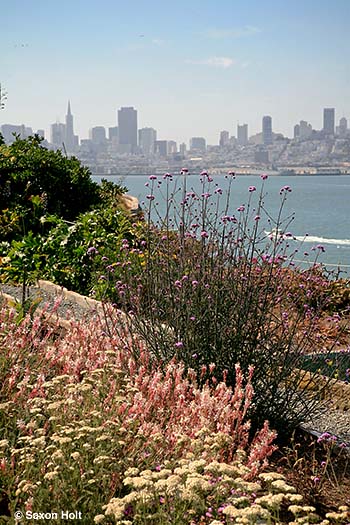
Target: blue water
x,y
320,205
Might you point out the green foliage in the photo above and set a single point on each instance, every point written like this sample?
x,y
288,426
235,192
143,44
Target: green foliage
x,y
37,181
74,253
74,256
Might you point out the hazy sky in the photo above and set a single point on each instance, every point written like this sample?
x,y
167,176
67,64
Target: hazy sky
x,y
190,68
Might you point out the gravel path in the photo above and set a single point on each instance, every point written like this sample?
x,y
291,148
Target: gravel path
x,y
74,306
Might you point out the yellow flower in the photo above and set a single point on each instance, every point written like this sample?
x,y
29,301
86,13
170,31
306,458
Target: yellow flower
x,y
51,475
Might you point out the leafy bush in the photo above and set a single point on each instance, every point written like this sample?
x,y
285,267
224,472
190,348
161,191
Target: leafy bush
x,y
38,181
74,256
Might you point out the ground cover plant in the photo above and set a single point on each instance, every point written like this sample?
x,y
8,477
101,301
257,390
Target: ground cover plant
x,y
87,428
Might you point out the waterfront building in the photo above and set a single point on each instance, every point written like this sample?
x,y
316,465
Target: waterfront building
x,y
328,121
198,144
267,130
242,134
224,138
127,126
147,139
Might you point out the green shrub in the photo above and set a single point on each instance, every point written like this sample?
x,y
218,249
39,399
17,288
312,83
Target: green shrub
x,y
38,181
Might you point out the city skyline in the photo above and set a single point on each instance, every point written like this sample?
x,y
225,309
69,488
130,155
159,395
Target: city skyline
x,y
129,135
193,69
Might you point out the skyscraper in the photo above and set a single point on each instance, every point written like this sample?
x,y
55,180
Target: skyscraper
x,y
267,130
69,132
147,138
98,135
343,127
242,134
127,127
198,143
58,134
224,138
328,121
113,134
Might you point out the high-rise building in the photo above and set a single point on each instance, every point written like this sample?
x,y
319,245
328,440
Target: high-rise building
x,y
242,134
147,138
58,134
328,121
8,131
113,134
343,127
198,143
172,147
98,135
182,149
224,138
297,131
305,130
41,133
267,130
69,133
127,126
161,148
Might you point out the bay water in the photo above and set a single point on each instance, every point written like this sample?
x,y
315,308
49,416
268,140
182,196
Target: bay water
x,y
320,206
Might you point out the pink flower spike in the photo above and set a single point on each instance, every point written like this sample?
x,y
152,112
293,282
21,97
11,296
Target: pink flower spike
x,y
251,189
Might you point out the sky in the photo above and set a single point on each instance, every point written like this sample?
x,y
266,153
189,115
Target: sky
x,y
190,68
